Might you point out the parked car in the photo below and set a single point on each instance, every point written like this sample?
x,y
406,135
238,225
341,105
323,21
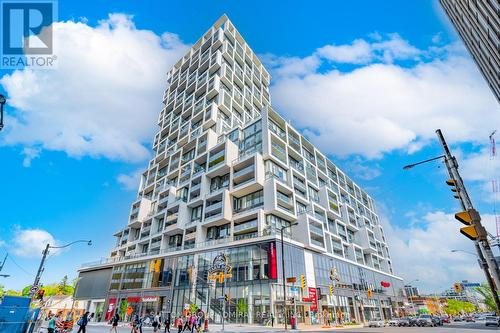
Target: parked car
x,y
425,320
492,321
376,323
469,319
393,322
457,318
445,319
437,321
413,321
404,321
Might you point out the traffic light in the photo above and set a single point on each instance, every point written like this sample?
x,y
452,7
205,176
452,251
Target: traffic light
x,y
39,294
292,300
331,290
302,281
226,297
452,182
369,293
473,230
457,287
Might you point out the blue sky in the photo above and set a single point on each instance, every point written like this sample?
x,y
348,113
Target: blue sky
x,y
395,69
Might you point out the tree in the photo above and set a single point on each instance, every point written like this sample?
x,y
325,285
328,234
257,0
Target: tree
x,y
485,291
455,307
241,308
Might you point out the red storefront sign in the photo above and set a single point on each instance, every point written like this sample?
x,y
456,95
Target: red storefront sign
x,y
313,298
133,299
111,308
271,256
385,284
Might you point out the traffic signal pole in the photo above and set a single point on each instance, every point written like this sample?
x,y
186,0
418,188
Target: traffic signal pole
x,y
40,270
481,243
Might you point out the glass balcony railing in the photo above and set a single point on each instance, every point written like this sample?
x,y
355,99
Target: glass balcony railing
x,y
316,229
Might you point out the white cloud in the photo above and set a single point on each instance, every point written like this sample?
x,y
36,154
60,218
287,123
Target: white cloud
x,y
381,107
130,182
423,251
31,242
104,97
361,51
30,153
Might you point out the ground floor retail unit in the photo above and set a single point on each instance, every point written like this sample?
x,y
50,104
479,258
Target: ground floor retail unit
x,y
253,291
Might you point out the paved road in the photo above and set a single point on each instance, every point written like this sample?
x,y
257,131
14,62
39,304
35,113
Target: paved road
x,y
448,328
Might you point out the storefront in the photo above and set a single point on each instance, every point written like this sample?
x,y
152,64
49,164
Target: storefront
x,y
254,291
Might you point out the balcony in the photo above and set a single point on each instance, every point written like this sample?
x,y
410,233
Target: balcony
x,y
244,171
317,230
245,226
253,206
213,206
216,159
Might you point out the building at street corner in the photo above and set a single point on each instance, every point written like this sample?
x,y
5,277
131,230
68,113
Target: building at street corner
x,y
228,172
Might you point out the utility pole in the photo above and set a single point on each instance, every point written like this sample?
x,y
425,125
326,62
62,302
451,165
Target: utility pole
x,y
483,248
39,272
1,266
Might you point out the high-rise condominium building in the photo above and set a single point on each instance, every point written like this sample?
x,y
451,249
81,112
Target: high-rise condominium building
x,y
227,174
478,24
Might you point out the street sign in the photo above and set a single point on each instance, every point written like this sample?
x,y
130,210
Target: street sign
x,y
34,289
296,289
292,279
475,284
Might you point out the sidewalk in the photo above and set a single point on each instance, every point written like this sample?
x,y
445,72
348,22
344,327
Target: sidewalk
x,y
246,328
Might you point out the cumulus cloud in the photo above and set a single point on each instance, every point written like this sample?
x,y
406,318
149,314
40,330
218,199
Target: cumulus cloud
x,y
31,242
104,97
130,182
383,105
423,251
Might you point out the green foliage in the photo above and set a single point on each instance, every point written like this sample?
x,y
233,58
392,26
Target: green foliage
x,y
485,291
123,308
9,292
242,306
455,307
61,288
193,307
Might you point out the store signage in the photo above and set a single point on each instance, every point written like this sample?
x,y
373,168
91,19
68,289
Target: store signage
x,y
385,284
133,299
150,299
273,267
111,308
220,269
313,298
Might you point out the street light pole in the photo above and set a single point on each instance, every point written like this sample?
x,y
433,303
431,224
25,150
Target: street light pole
x,y
45,252
2,102
283,268
483,249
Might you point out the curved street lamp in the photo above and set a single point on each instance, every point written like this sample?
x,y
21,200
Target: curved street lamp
x,y
45,252
471,253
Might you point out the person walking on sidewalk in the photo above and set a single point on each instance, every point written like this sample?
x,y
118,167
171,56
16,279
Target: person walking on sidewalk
x,y
82,322
156,322
51,326
114,322
179,323
167,323
272,320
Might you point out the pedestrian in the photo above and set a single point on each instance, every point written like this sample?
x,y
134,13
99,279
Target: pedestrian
x,y
167,323
135,323
51,326
156,322
272,320
82,322
185,320
114,322
179,324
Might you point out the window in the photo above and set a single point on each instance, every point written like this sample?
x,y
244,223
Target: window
x,y
218,232
301,208
249,201
219,182
188,156
182,194
273,169
252,139
313,194
196,213
276,223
